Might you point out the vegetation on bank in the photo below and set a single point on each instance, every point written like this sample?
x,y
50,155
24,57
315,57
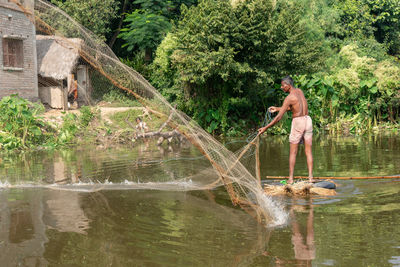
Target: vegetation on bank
x,y
238,54
221,63
24,126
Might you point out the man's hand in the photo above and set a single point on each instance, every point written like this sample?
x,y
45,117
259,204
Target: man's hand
x,y
272,109
262,130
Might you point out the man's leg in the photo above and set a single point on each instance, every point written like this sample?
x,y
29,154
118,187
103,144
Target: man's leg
x,y
292,160
308,150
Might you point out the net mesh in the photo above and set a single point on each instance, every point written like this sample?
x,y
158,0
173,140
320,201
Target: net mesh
x,y
237,171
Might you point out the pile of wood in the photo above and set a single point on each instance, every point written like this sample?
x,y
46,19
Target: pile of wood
x,y
297,189
162,135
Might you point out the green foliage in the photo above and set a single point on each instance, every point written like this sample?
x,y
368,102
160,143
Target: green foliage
x,y
379,19
155,6
87,115
138,63
101,85
221,61
169,9
146,26
69,128
355,18
223,58
164,74
386,15
93,14
356,95
74,125
144,30
9,141
104,90
21,128
120,99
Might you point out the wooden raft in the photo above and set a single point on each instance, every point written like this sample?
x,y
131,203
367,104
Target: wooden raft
x,y
297,189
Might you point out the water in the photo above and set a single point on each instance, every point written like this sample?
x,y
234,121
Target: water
x,y
106,219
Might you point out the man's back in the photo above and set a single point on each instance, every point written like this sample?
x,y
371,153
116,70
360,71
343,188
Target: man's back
x,y
298,103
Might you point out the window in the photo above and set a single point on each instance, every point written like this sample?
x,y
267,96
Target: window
x,y
13,53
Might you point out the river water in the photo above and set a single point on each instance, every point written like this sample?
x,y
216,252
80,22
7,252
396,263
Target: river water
x,y
85,207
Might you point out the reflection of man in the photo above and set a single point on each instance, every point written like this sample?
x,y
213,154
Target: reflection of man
x,y
301,124
303,251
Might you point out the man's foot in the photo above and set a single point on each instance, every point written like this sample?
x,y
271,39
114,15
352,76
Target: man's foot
x,y
290,181
311,180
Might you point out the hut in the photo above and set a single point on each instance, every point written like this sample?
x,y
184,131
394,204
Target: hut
x,y
60,69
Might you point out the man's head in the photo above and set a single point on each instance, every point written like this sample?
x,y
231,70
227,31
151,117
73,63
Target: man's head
x,y
138,120
287,83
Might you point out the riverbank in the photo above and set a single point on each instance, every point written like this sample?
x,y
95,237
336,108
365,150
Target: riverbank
x,y
27,125
55,116
113,126
106,125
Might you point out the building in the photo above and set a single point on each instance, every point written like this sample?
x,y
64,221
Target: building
x,y
18,61
37,66
60,68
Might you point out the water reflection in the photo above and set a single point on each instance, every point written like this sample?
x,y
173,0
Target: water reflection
x,y
41,226
301,250
63,212
335,156
144,163
22,230
304,246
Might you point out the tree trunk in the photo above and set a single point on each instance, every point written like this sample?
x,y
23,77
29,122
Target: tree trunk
x,y
117,31
148,55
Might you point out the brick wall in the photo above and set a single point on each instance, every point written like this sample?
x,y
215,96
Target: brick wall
x,y
22,81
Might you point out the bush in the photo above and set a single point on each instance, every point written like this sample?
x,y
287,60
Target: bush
x,y
21,128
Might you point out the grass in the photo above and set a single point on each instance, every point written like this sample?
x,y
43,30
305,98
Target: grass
x,y
119,99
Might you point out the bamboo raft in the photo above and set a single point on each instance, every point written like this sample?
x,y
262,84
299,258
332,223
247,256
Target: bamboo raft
x,y
338,178
306,189
301,189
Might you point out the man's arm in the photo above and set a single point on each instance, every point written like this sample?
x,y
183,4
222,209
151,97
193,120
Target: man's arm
x,y
285,107
275,109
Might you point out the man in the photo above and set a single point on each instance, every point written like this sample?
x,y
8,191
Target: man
x,y
72,93
141,125
301,124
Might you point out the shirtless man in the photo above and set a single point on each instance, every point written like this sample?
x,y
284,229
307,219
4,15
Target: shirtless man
x,y
301,124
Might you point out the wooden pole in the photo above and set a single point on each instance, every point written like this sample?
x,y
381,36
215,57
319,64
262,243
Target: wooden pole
x,y
258,172
338,178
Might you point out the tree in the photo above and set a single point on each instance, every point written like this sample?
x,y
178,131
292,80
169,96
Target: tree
x,y
355,19
144,31
93,14
148,24
227,57
386,21
379,19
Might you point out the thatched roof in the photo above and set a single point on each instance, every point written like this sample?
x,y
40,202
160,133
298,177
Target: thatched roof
x,y
57,56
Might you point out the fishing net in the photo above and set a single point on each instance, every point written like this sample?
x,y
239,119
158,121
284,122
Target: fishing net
x,y
237,171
